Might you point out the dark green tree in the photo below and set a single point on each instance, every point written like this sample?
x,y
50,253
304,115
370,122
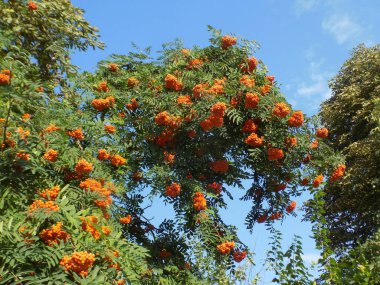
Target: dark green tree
x,y
352,209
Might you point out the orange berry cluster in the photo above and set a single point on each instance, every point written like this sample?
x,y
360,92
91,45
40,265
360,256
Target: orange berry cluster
x,y
264,90
172,83
173,190
169,157
217,187
249,126
163,118
249,82
216,117
291,141
219,166
5,77
22,133
23,155
103,104
296,119
118,160
164,138
32,6
217,87
50,128
228,41
133,105
199,201
125,220
275,153
48,206
184,100
88,225
239,255
104,192
254,140
132,82
113,67
251,100
275,216
199,90
54,234
50,194
76,134
250,65
322,133
51,155
338,172
317,181
83,167
281,110
195,64
115,160
103,154
78,262
225,247
109,128
291,207
102,87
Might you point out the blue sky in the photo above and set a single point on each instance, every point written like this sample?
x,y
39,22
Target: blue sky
x,y
303,43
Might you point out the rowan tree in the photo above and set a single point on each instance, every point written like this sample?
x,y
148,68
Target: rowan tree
x,y
81,154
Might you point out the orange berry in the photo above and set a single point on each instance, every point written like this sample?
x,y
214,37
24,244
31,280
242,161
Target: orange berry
x,y
239,255
219,166
109,129
296,119
51,155
78,262
338,172
322,133
113,67
317,181
132,82
290,208
228,41
117,160
275,153
32,6
281,110
251,100
254,140
76,134
173,190
199,201
83,167
225,247
125,220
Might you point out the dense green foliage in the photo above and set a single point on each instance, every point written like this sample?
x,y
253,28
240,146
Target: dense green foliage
x,y
352,116
83,154
346,225
46,33
360,265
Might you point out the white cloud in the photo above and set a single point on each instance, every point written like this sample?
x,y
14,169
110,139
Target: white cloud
x,y
305,5
311,257
343,28
317,85
312,88
315,88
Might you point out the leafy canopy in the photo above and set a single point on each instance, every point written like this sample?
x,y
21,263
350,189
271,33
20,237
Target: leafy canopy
x,y
81,154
